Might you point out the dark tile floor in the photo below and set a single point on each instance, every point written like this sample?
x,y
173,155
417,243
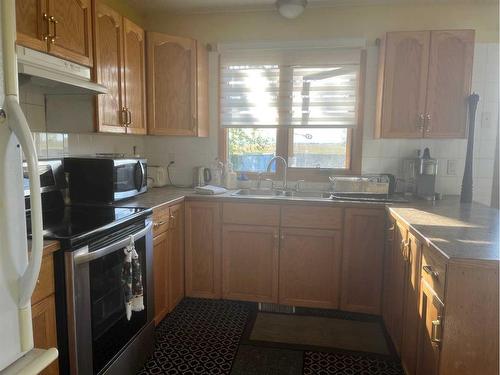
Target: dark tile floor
x,y
205,337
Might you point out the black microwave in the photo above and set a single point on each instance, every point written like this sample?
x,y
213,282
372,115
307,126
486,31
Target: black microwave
x,y
100,179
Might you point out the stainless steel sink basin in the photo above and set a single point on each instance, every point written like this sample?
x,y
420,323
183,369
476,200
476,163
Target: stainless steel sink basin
x,y
366,197
282,193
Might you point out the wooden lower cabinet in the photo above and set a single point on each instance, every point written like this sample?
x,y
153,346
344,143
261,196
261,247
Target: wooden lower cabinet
x,y
411,314
395,274
362,260
203,249
250,263
309,267
429,332
176,256
160,271
43,315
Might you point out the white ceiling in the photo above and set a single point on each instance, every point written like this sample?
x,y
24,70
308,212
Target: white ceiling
x,y
245,5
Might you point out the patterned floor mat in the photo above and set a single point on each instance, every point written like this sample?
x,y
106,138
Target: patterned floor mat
x,y
198,337
202,337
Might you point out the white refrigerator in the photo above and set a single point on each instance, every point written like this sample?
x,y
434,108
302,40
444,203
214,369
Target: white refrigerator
x,y
19,269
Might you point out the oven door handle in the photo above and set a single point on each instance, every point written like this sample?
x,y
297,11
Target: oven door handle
x,y
86,257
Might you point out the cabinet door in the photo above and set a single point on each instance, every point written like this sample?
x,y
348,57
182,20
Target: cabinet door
x,y
108,48
362,260
429,334
32,24
203,250
134,77
71,30
309,268
403,73
450,74
176,256
411,298
399,274
390,239
160,275
43,316
171,85
250,263
202,120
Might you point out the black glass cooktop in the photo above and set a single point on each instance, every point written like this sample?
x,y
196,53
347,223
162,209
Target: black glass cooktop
x,y
73,224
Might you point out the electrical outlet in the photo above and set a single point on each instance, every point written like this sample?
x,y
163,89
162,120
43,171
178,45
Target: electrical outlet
x,y
451,167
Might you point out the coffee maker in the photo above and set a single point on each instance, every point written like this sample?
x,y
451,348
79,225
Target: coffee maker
x,y
426,176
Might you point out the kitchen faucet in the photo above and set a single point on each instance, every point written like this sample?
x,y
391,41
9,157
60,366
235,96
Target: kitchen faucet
x,y
285,166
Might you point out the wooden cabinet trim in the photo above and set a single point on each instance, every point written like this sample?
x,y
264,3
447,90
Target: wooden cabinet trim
x,y
251,213
302,216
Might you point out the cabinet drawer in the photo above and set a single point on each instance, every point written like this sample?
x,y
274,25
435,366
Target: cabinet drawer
x,y
251,214
434,270
161,220
298,216
45,283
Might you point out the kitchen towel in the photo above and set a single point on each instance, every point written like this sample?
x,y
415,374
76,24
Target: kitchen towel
x,y
132,280
210,190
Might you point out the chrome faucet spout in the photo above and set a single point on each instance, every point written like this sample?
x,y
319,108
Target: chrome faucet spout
x,y
285,166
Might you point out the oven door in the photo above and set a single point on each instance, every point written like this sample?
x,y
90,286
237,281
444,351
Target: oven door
x,y
130,178
98,328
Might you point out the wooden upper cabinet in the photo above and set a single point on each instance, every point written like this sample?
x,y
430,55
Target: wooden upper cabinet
x,y
403,65
449,83
424,80
32,24
177,86
70,22
134,77
362,260
60,27
109,69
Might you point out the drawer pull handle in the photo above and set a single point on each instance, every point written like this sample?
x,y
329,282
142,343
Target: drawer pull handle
x,y
158,224
430,271
436,331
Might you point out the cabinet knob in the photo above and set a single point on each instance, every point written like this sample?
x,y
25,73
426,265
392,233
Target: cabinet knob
x,y
157,224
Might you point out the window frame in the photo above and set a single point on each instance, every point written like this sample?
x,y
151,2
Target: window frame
x,y
353,147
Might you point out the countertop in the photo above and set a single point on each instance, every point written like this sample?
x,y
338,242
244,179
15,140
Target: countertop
x,y
49,246
458,231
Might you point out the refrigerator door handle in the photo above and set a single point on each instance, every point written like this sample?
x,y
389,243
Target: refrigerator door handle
x,y
19,126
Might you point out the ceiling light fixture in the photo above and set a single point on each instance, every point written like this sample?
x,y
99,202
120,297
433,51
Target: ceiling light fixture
x,y
291,8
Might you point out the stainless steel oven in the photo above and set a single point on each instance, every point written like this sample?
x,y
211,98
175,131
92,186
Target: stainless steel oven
x,y
100,338
104,179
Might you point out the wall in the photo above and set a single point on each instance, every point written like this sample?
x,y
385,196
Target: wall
x,y
360,21
333,22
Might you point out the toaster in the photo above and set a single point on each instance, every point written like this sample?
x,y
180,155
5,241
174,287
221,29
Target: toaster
x,y
157,175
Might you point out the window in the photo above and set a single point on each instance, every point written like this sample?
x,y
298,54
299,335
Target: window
x,y
302,105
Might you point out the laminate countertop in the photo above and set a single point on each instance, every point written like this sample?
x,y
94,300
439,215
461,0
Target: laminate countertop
x,y
458,231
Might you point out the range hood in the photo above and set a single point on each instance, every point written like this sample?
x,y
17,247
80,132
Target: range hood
x,y
55,75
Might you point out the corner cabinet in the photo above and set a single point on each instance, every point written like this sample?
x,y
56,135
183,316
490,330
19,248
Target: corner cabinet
x,y
119,66
177,86
362,260
62,28
424,80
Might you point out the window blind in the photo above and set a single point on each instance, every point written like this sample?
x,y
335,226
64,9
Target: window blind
x,y
289,88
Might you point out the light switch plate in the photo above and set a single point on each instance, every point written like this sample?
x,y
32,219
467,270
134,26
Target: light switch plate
x,y
451,167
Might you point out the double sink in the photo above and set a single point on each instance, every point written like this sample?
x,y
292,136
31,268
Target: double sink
x,y
291,194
